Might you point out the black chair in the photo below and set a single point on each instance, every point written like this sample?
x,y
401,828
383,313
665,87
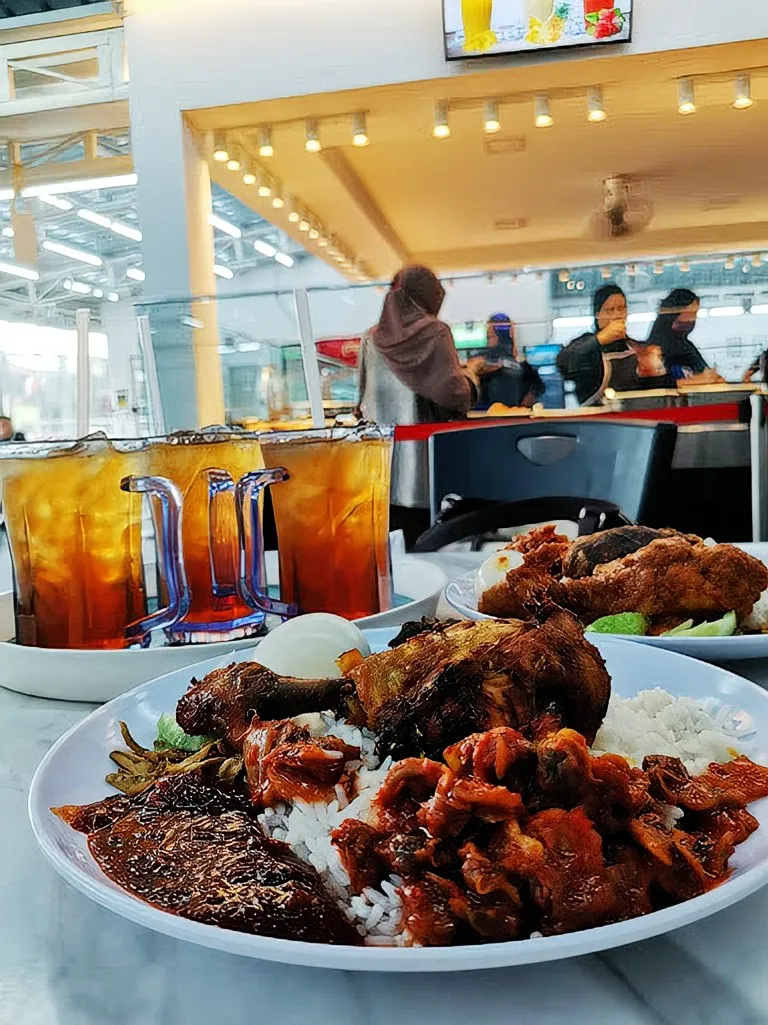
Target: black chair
x,y
600,473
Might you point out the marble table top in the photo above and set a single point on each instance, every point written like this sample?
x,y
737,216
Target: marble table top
x,y
65,961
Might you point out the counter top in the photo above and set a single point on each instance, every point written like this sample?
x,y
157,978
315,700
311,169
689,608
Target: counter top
x,y
65,961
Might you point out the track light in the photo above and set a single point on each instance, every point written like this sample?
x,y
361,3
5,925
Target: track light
x,y
491,120
313,144
686,97
249,178
658,267
632,270
314,234
730,263
220,151
266,149
277,200
564,276
685,266
441,129
595,106
360,129
265,186
304,224
743,99
757,260
542,116
606,273
233,164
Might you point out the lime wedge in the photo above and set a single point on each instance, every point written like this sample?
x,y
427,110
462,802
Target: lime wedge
x,y
632,623
725,627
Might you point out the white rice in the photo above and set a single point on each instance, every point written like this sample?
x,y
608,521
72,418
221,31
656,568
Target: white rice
x,y
656,723
653,722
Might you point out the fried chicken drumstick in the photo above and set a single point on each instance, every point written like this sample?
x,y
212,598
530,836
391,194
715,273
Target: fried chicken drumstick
x,y
428,692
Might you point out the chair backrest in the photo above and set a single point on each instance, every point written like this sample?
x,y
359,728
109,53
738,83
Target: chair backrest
x,y
626,463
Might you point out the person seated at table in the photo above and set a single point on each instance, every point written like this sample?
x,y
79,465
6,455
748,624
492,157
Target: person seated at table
x,y
606,358
508,380
7,432
672,331
758,367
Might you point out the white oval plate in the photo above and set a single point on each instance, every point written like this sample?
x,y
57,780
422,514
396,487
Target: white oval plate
x,y
73,675
460,594
73,773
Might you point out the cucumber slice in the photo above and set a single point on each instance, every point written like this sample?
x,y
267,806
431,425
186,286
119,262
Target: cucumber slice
x,y
725,627
633,624
170,734
681,628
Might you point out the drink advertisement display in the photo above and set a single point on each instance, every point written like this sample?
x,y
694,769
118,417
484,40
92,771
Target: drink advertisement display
x,y
481,28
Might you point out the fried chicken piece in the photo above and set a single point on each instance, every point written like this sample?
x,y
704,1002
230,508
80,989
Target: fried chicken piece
x,y
283,762
224,703
671,577
732,785
585,554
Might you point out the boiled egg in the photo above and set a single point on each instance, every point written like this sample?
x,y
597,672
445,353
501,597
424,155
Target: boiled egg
x,y
494,570
307,647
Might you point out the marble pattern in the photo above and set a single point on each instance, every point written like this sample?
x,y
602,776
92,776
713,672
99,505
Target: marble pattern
x,y
65,961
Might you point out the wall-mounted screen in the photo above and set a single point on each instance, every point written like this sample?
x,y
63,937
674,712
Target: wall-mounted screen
x,y
482,28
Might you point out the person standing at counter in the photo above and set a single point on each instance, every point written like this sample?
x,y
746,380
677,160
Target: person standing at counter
x,y
507,379
606,358
410,374
671,333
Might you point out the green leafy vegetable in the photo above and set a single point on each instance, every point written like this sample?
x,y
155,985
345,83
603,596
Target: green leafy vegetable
x,y
170,734
725,627
633,623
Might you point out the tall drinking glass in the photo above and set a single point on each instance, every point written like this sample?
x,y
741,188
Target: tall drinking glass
x,y
332,518
75,537
206,467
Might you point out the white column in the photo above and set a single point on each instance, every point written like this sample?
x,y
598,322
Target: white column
x,y
174,198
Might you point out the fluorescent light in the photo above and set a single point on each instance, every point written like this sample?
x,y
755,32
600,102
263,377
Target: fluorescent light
x,y
98,293
761,308
7,194
135,273
641,318
126,230
60,204
229,229
8,231
284,259
94,218
19,272
703,314
113,297
81,288
67,284
727,311
72,253
264,248
222,272
572,322
116,181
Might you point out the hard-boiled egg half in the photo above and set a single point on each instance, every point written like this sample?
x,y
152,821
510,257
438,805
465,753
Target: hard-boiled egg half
x,y
308,646
494,570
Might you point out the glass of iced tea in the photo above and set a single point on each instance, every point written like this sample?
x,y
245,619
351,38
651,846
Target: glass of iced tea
x,y
332,518
75,537
206,467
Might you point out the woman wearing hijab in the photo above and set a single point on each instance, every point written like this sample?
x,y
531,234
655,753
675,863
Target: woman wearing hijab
x,y
606,358
509,381
671,333
410,374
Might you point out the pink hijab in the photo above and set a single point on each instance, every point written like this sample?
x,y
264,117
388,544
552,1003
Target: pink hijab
x,y
416,346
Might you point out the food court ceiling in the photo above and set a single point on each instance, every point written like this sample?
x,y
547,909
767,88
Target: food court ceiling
x,y
522,197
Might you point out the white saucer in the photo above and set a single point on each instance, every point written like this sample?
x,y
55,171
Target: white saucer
x,y
74,675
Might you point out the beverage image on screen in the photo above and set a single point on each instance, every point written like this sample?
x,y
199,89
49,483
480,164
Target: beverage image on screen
x,y
476,15
333,521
